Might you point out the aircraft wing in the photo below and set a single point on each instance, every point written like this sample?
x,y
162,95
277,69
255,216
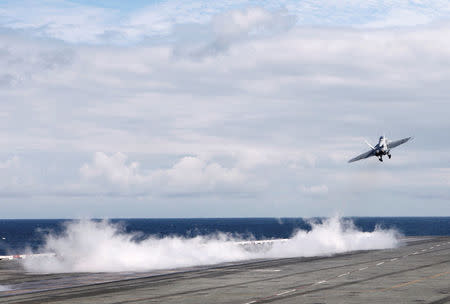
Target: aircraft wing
x,y
396,143
362,156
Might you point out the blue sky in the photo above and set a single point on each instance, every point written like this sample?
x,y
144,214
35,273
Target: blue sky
x,y
235,108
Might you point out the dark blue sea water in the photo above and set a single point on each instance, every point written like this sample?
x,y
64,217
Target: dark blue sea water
x,y
17,235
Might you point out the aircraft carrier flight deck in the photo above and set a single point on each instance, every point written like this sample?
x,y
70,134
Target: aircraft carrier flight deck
x,y
417,272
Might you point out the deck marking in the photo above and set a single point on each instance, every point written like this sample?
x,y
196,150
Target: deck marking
x,y
431,247
285,292
251,302
419,280
344,274
364,268
424,250
416,252
411,282
394,259
381,263
321,282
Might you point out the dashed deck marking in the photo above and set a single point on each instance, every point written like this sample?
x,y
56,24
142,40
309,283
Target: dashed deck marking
x,y
285,292
361,269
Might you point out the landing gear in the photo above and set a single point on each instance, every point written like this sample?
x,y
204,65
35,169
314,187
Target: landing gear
x,y
389,155
380,158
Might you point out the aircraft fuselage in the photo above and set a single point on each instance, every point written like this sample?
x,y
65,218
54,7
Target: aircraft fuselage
x,y
382,149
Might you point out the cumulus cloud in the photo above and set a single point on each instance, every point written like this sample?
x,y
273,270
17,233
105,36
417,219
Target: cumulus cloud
x,y
188,175
191,174
114,168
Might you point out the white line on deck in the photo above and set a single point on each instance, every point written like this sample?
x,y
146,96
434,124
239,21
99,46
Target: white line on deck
x,y
431,247
381,263
394,259
438,245
344,274
285,292
364,268
251,302
416,252
424,250
321,282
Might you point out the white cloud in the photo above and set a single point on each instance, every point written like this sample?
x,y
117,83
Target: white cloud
x,y
15,181
189,174
229,28
237,23
22,60
259,158
315,190
114,168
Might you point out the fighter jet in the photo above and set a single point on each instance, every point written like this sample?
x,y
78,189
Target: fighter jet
x,y
382,148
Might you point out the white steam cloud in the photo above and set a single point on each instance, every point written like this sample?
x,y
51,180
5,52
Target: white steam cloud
x,y
89,246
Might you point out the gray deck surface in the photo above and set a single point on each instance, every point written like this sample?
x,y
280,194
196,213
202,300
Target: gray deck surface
x,y
418,272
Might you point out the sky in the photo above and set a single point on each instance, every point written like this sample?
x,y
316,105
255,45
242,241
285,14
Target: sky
x,y
223,109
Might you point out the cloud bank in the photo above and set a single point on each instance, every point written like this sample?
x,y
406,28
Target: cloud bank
x,y
222,110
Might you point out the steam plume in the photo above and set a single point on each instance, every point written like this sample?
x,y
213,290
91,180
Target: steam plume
x,y
90,246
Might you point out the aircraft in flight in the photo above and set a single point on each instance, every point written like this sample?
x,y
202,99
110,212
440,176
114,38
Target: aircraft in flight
x,y
382,148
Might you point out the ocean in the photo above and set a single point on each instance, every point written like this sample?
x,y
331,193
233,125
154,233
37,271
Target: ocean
x,y
16,236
